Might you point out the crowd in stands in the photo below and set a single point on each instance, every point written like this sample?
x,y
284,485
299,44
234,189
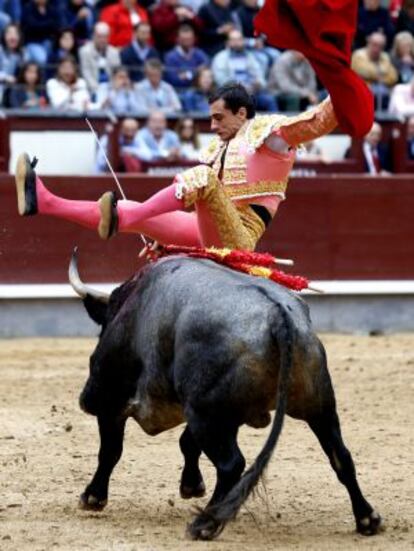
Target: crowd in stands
x,y
132,56
164,57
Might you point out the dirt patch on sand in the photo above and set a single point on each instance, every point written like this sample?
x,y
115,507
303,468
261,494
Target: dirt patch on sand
x,y
48,451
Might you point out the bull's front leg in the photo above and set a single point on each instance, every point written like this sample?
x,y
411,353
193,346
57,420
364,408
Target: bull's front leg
x,y
111,431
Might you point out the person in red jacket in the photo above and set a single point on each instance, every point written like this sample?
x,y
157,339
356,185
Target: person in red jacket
x,y
166,18
122,18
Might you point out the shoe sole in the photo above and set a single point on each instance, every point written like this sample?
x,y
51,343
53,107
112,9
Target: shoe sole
x,y
105,206
23,162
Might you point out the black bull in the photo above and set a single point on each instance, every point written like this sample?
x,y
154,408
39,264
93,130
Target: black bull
x,y
190,341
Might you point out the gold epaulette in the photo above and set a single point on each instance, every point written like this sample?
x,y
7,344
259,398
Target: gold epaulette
x,y
260,128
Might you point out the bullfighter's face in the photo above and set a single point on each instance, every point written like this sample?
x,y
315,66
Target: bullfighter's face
x,y
224,122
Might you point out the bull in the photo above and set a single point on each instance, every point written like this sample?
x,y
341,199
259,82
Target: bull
x,y
188,341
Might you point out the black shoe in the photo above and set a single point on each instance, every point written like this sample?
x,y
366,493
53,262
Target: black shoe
x,y
108,224
25,178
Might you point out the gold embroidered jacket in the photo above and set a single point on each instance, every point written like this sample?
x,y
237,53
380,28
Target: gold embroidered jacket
x,y
248,147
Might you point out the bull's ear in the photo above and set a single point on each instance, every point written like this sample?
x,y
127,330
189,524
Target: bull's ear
x,y
97,309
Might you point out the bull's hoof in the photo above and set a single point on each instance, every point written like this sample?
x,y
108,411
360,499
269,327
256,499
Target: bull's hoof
x,y
370,525
204,527
88,502
187,492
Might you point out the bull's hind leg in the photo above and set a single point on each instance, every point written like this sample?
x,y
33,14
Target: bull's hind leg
x,y
111,431
192,484
218,440
328,431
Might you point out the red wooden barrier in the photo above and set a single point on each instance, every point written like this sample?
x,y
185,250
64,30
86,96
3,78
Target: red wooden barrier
x,y
334,227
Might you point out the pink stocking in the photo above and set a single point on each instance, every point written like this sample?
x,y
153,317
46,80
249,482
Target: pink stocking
x,y
85,213
191,229
178,228
160,218
131,214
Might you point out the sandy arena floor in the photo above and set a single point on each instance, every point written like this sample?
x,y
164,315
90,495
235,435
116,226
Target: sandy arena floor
x,y
48,451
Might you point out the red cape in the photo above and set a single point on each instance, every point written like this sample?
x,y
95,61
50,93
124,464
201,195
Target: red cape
x,y
323,31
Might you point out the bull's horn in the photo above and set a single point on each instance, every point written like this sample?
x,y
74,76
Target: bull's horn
x,y
78,286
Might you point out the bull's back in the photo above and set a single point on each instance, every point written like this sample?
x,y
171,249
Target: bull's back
x,y
191,279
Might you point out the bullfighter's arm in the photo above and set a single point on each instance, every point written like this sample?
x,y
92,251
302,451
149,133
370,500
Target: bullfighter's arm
x,y
304,128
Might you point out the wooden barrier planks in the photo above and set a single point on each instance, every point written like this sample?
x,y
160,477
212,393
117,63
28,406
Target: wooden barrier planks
x,y
335,227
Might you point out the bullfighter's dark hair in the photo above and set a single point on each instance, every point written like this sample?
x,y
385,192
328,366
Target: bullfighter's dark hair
x,y
235,96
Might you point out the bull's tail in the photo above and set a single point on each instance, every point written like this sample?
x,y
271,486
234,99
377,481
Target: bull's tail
x,y
210,522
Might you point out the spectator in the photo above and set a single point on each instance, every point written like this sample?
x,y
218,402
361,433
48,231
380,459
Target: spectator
x,y
122,19
402,56
410,137
372,18
77,15
405,20
184,60
294,80
374,65
166,19
119,95
236,63
28,93
40,24
67,91
187,132
11,56
65,46
196,100
155,93
128,148
376,155
218,20
98,59
139,51
156,142
246,13
402,100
